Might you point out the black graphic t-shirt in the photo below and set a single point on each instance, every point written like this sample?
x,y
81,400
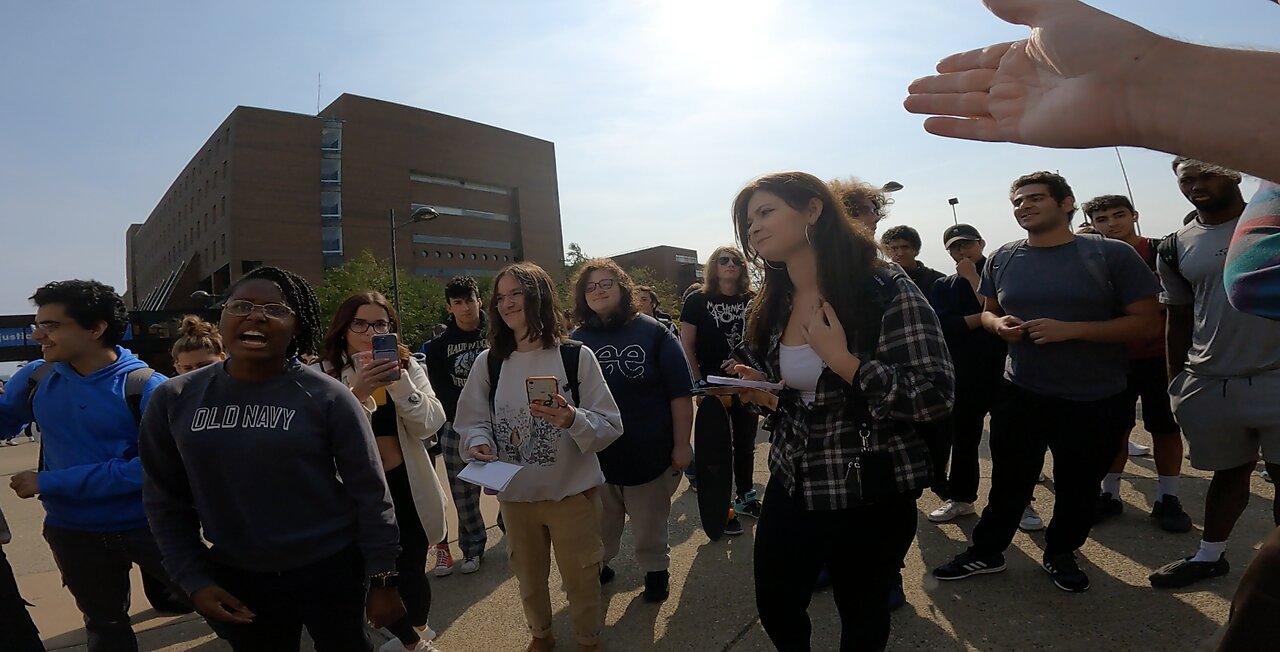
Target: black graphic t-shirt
x,y
720,322
449,361
645,369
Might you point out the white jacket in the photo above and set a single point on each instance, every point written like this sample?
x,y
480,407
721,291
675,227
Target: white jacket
x,y
419,415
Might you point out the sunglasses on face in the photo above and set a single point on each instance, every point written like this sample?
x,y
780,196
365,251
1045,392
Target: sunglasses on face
x,y
725,260
604,284
242,308
379,327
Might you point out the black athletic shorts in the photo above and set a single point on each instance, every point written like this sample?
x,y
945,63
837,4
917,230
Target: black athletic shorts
x,y
1149,380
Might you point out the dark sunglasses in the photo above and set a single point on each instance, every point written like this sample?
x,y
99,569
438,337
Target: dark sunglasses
x,y
725,260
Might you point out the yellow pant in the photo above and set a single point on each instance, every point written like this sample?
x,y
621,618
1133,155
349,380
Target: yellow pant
x,y
572,526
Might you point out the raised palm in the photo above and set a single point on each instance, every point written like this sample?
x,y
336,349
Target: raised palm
x,y
1068,85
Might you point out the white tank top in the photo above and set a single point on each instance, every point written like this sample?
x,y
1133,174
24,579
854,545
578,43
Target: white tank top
x,y
801,368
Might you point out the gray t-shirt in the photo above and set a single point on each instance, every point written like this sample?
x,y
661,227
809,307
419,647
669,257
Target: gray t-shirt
x,y
1224,341
1053,283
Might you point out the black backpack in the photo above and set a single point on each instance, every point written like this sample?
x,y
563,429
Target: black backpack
x,y
570,350
134,384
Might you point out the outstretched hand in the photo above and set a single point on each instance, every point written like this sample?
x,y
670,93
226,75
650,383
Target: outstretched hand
x,y
1055,89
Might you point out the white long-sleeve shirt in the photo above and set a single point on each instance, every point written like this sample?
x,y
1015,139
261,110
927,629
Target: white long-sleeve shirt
x,y
558,462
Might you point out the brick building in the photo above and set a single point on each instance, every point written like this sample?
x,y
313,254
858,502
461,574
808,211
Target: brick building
x,y
677,265
306,192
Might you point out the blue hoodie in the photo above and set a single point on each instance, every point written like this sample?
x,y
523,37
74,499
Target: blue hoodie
x,y
93,477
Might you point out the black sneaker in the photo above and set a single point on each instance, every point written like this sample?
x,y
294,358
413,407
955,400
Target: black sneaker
x,y
1185,572
1066,572
606,574
897,597
655,586
733,527
1106,507
968,563
1169,514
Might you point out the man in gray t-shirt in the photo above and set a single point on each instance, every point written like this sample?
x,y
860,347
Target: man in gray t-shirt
x,y
1225,366
1065,305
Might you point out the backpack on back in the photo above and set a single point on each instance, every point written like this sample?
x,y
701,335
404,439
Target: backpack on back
x,y
570,350
134,384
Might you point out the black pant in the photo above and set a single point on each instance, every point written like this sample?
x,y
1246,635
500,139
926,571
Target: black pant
x,y
1084,437
327,597
860,548
415,592
17,632
745,424
953,444
95,568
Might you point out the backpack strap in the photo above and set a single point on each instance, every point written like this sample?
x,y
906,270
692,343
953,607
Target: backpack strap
x,y
495,370
33,383
1095,260
999,261
570,352
134,384
881,290
1168,252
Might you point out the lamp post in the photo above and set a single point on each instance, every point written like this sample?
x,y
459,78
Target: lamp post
x,y
892,186
953,201
422,214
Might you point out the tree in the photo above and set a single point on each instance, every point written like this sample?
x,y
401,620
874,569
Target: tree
x,y
422,303
668,294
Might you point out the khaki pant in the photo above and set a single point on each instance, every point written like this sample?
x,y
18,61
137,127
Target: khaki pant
x,y
572,526
649,506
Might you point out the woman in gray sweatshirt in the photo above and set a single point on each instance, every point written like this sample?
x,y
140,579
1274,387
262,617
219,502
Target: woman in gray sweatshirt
x,y
275,464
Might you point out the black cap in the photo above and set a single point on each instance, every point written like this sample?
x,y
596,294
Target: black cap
x,y
959,232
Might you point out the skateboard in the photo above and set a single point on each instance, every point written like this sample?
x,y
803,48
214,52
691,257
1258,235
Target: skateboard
x,y
713,463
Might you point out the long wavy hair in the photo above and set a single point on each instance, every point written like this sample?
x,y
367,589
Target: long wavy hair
x,y
583,313
711,273
335,340
542,314
845,252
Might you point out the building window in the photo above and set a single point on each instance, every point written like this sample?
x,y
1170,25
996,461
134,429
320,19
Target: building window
x,y
331,239
459,183
697,273
687,260
330,170
448,254
461,242
331,203
331,138
464,212
224,244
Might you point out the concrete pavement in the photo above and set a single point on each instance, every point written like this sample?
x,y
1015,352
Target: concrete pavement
x,y
711,605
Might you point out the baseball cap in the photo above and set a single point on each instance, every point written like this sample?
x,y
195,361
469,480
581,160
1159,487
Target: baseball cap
x,y
958,232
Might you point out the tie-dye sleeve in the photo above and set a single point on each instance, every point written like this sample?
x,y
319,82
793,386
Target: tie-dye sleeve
x,y
1252,272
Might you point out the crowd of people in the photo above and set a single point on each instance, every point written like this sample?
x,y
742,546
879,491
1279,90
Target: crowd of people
x,y
287,477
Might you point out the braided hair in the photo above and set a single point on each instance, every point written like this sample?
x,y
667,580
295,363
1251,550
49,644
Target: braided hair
x,y
299,296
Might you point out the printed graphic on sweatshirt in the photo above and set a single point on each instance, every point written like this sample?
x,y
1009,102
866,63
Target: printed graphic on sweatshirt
x,y
523,439
463,356
627,362
242,416
730,318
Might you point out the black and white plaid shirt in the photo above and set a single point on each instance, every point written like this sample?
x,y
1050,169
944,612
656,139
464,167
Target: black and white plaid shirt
x,y
908,378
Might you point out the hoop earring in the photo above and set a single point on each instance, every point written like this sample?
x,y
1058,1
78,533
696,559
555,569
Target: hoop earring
x,y
771,266
806,235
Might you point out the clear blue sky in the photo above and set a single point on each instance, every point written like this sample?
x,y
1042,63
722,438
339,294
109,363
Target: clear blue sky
x,y
660,110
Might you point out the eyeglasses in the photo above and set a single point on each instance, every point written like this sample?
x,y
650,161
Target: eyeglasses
x,y
725,260
604,284
516,295
242,308
46,326
361,326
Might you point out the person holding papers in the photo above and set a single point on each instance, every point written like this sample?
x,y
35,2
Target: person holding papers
x,y
554,500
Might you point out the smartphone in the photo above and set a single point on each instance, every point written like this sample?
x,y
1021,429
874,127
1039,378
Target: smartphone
x,y
542,389
387,347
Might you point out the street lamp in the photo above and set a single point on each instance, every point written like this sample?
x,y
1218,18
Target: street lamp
x,y
953,201
892,186
421,214
205,298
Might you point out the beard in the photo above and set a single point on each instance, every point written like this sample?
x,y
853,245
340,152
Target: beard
x,y
1212,204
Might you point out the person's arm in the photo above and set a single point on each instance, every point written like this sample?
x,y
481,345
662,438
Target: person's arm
x,y
472,420
1252,272
678,381
688,342
1060,90
169,500
1141,320
953,322
1177,337
355,456
15,406
598,421
416,403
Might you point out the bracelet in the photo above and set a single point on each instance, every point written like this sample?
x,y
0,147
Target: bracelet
x,y
384,580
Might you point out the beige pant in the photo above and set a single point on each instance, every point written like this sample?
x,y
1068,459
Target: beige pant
x,y
572,526
649,506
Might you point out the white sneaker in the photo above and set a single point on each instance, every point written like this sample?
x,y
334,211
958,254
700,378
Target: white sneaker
x,y
1138,450
469,565
11,442
394,645
426,633
949,510
1030,520
1042,477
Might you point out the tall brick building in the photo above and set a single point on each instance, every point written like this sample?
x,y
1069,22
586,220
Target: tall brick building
x,y
307,192
677,265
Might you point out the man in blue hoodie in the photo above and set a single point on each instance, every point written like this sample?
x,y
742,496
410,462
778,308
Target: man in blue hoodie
x,y
90,477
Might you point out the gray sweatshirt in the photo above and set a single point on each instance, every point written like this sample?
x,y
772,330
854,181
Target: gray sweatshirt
x,y
279,474
557,462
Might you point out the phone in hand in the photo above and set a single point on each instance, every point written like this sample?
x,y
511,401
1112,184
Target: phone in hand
x,y
542,389
387,347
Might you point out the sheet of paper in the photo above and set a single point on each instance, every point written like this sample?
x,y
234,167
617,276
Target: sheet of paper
x,y
739,382
491,475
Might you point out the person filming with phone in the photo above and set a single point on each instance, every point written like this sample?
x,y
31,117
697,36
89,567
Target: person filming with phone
x,y
362,350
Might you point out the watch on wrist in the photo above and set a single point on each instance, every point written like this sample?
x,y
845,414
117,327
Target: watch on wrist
x,y
387,580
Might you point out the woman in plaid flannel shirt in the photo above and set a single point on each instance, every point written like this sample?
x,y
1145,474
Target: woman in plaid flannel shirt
x,y
862,357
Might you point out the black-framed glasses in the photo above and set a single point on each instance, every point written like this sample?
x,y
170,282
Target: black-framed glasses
x,y
242,308
602,284
380,327
725,260
46,326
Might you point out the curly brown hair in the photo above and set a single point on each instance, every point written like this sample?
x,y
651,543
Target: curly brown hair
x,y
853,193
196,334
544,319
711,272
582,313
